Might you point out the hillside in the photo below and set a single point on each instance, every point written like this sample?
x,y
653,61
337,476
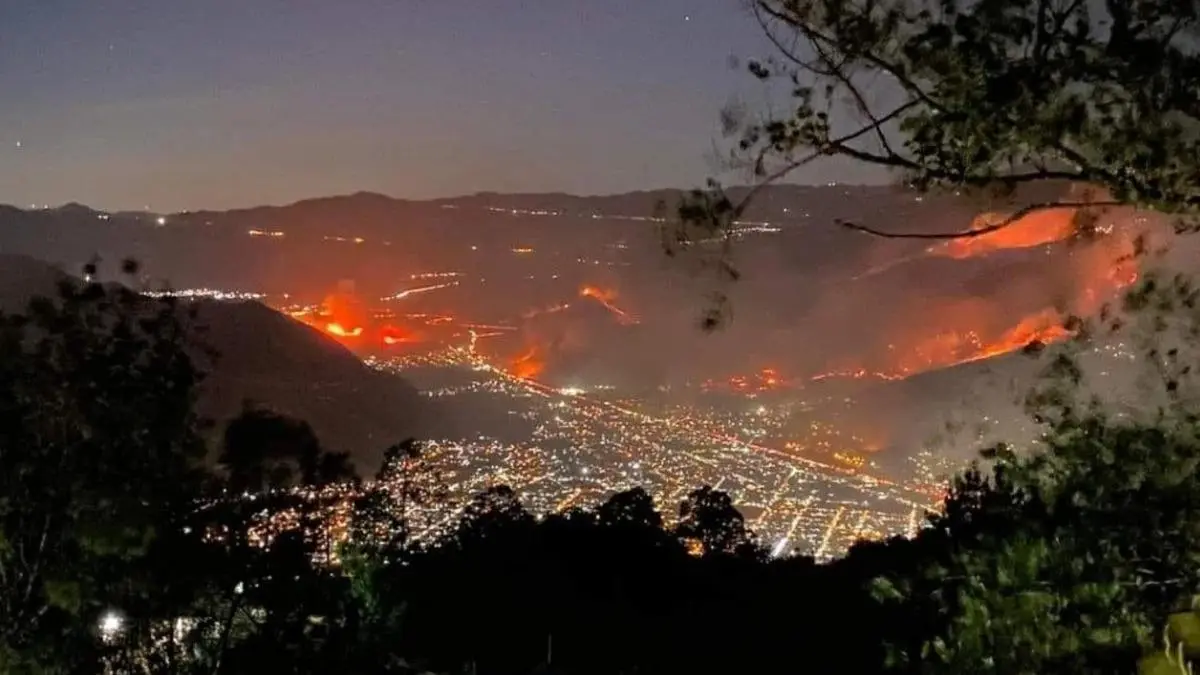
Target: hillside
x,y
252,353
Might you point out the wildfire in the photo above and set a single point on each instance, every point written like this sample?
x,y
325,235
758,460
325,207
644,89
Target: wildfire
x,y
528,365
607,298
1035,229
1044,327
951,348
343,316
394,335
968,331
765,380
337,329
1038,228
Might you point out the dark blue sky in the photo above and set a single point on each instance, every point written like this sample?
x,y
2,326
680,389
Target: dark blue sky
x,y
183,104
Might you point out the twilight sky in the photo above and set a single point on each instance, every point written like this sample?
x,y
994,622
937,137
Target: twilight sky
x,y
185,104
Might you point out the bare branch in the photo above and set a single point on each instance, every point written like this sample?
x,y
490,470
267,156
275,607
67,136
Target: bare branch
x,y
971,234
820,152
788,53
875,60
967,180
860,100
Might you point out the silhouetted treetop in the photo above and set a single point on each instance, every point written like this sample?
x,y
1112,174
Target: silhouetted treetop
x,y
264,450
709,517
633,507
977,95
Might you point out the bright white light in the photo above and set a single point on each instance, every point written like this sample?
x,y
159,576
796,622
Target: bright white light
x,y
110,625
161,220
779,548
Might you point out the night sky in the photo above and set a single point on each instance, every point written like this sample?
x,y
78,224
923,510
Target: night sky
x,y
185,104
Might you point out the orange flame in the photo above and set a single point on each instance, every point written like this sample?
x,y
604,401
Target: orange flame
x,y
1102,269
765,380
1035,229
607,298
528,365
337,329
394,335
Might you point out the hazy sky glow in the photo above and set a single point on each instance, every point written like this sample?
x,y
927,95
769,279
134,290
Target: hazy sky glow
x,y
178,104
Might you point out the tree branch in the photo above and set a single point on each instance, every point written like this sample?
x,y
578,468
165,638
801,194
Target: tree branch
x,y
875,60
971,234
820,152
837,72
787,53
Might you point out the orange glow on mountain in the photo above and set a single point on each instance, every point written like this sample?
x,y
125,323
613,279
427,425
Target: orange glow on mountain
x,y
394,335
528,365
954,347
1035,229
343,313
607,298
969,330
337,329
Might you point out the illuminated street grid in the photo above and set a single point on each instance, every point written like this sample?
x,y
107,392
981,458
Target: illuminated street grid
x,y
584,448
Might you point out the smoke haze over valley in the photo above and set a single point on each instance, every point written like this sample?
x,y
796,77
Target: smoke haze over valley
x,y
576,292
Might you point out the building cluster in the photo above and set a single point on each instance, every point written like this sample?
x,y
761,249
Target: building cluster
x,y
586,445
205,294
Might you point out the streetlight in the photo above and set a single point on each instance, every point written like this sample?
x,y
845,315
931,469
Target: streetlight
x,y
111,624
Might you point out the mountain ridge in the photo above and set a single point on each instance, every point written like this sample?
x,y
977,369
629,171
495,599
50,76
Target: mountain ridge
x,y
1026,194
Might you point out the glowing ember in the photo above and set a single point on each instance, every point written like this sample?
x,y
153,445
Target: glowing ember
x,y
765,380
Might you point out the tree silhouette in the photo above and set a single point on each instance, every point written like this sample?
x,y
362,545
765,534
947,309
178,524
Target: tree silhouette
x,y
264,450
631,508
100,450
709,517
1067,560
985,95
490,513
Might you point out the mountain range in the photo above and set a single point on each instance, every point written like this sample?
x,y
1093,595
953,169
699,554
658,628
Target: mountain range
x,y
814,298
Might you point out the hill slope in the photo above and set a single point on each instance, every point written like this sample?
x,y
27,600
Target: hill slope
x,y
252,353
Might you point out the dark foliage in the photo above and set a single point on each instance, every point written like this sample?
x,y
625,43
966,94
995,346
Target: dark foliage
x,y
121,552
